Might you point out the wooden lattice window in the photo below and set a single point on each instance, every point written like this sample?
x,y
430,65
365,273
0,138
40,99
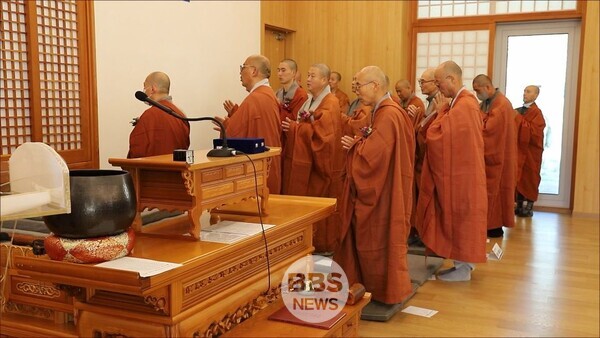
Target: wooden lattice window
x,y
47,85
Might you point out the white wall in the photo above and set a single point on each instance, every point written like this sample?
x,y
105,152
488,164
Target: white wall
x,y
199,44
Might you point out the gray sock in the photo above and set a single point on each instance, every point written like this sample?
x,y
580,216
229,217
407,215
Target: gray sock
x,y
461,273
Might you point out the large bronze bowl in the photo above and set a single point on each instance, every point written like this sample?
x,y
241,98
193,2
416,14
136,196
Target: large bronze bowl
x,y
103,203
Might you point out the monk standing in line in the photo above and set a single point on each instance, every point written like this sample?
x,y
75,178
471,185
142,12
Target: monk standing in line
x,y
290,96
530,143
314,158
334,82
156,132
377,197
428,87
258,115
408,98
500,146
452,207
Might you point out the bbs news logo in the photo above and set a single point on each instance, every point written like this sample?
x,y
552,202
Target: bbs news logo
x,y
314,289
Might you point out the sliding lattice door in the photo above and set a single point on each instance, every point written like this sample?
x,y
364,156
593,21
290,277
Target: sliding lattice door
x,y
47,90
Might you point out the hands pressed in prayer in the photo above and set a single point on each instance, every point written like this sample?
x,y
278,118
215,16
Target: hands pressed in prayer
x,y
412,110
439,99
230,107
220,119
285,125
348,141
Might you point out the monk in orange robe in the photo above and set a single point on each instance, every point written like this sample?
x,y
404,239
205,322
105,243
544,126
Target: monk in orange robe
x,y
452,206
358,115
314,157
156,132
290,96
377,197
428,87
258,115
500,147
530,143
334,82
408,98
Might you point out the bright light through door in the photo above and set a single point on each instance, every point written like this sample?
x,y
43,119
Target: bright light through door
x,y
541,60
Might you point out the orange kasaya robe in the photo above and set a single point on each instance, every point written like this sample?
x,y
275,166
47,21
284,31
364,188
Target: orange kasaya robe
x,y
291,101
417,102
500,156
314,162
358,116
530,145
343,99
420,121
376,206
158,133
452,206
258,116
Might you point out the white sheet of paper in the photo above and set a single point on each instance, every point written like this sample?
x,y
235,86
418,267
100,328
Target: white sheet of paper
x,y
497,251
241,228
145,267
419,311
219,237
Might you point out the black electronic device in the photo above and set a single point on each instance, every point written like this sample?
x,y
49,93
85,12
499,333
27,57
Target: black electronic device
x,y
245,145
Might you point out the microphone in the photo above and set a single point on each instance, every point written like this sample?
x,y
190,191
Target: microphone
x,y
224,151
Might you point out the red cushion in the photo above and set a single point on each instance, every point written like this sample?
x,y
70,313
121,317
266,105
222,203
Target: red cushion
x,y
89,250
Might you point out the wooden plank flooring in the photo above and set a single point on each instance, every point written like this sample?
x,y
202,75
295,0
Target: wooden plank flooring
x,y
547,284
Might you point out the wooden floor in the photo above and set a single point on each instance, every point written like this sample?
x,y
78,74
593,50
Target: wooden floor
x,y
546,284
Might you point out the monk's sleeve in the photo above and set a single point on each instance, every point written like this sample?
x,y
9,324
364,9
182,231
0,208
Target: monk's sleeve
x,y
370,162
493,128
322,139
299,98
139,139
237,124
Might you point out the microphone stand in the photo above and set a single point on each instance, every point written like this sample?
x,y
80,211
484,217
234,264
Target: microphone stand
x,y
224,151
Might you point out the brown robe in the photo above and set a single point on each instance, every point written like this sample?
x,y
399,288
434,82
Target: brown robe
x,y
314,161
376,206
358,116
343,99
452,206
417,102
258,116
500,160
530,145
158,133
291,101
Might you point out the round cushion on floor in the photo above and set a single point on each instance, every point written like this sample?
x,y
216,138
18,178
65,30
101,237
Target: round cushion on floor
x,y
89,250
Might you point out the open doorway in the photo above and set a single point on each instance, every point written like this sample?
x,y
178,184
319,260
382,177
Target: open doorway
x,y
544,54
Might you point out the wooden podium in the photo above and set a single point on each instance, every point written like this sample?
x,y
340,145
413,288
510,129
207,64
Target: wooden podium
x,y
217,286
208,183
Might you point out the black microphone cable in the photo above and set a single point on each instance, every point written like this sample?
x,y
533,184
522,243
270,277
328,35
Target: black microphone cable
x,y
261,221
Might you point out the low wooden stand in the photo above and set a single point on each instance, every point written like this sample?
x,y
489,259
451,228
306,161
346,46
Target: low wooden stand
x,y
210,182
260,325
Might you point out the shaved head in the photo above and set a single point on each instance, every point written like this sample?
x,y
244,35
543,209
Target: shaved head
x,y
448,78
375,74
337,75
323,69
535,88
482,80
261,63
160,80
403,84
291,63
428,74
450,68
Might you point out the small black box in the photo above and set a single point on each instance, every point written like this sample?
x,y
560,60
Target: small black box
x,y
245,145
183,155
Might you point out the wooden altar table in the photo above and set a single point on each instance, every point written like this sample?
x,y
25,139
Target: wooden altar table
x,y
216,287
